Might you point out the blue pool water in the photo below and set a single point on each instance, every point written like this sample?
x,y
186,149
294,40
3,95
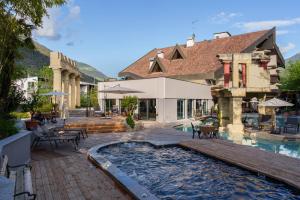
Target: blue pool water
x,y
288,148
176,173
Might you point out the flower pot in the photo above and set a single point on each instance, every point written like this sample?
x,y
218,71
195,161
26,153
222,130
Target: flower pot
x,y
31,124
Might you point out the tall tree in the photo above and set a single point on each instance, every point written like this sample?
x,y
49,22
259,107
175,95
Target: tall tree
x,y
290,78
17,20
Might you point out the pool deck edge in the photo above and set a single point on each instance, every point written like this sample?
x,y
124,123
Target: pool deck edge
x,y
275,166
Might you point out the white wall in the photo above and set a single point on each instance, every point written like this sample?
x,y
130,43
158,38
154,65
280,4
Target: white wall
x,y
166,91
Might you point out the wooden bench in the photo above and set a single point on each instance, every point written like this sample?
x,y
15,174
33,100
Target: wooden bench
x,y
21,176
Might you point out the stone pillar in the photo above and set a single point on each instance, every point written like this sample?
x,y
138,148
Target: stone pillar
x,y
57,85
235,75
77,90
72,92
226,65
66,87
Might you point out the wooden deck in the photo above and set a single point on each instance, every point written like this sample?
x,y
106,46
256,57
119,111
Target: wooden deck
x,y
276,166
57,177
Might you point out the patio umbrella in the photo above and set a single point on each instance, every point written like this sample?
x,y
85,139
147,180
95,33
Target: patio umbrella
x,y
117,89
275,103
120,90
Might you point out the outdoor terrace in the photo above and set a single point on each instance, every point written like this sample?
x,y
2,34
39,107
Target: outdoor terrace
x,y
66,174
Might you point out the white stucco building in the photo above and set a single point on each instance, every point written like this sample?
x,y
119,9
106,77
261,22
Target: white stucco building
x,y
28,85
161,99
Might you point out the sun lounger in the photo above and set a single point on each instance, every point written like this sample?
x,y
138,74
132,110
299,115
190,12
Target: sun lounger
x,y
44,135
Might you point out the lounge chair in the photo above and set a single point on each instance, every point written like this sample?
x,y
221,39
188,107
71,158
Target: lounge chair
x,y
71,131
195,131
44,135
292,123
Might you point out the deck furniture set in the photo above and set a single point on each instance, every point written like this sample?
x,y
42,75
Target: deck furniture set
x,y
58,135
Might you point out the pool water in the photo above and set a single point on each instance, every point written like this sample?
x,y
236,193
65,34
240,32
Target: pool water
x,y
288,148
177,173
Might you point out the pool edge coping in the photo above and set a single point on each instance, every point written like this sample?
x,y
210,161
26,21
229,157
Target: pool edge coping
x,y
131,188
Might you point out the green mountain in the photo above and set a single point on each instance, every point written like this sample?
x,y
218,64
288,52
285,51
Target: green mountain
x,y
293,58
33,60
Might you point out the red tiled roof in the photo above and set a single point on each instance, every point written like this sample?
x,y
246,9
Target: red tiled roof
x,y
199,59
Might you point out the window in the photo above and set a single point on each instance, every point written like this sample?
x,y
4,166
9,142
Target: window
x,y
147,109
110,105
156,68
190,108
180,108
177,55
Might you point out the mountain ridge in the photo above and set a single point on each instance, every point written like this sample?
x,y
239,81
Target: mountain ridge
x,y
40,56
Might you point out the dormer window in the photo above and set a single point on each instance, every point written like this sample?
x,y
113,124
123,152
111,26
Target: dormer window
x,y
177,53
157,66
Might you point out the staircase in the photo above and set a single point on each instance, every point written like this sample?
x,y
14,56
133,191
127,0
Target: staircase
x,y
106,127
77,112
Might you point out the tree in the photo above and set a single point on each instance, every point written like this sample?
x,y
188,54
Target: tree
x,y
17,20
130,104
290,78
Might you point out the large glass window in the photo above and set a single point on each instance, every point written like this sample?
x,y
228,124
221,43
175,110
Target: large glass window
x,y
110,105
190,108
147,109
180,108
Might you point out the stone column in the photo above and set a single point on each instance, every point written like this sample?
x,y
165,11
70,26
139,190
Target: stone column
x,y
72,92
66,87
57,85
77,90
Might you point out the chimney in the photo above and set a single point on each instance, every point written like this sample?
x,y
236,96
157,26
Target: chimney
x,y
151,60
190,41
160,54
222,35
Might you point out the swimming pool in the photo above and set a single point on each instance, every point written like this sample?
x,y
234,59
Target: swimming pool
x,y
172,172
288,148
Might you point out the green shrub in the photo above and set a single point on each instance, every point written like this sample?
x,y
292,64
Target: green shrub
x,y
7,128
20,115
130,121
46,107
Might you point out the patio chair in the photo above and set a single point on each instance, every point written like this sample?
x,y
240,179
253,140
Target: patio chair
x,y
44,135
264,122
195,131
291,123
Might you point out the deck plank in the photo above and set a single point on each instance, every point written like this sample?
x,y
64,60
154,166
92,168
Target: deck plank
x,y
273,165
73,177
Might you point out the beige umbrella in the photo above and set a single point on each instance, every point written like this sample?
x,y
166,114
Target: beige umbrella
x,y
275,103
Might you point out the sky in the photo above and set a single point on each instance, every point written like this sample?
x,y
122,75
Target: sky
x,y
112,34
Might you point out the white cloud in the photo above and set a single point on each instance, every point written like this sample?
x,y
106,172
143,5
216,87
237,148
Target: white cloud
x,y
288,47
49,29
57,21
267,24
282,32
74,12
224,17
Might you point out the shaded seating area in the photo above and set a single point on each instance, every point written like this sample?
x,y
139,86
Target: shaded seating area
x,y
209,128
264,122
18,180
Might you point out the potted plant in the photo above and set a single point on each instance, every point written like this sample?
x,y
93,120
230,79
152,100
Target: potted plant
x,y
129,103
31,106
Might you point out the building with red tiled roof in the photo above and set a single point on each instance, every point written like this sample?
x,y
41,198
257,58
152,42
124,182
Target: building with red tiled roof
x,y
184,81
197,61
